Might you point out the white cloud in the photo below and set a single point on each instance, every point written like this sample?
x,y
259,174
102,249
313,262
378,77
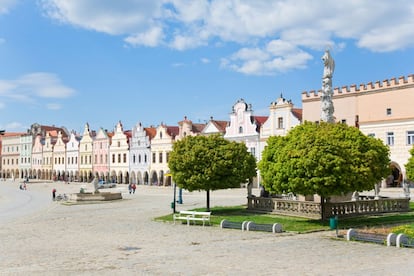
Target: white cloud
x,y
205,60
276,57
53,106
5,5
108,16
152,37
31,87
378,25
2,40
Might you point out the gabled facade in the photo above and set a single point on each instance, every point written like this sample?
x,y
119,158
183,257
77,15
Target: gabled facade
x,y
85,155
25,164
59,158
119,155
140,153
245,128
72,157
11,155
282,118
161,146
215,127
37,157
101,146
47,166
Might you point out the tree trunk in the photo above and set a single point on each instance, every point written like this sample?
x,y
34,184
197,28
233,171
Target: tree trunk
x,y
208,200
323,208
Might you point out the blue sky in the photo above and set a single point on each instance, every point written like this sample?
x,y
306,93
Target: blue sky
x,y
68,62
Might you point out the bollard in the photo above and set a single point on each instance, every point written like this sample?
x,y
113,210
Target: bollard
x,y
333,224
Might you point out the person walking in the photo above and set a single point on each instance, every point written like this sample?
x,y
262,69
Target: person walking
x,y
54,194
134,187
130,188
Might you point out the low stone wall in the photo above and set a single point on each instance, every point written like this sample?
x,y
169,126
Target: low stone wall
x,y
366,207
311,209
95,196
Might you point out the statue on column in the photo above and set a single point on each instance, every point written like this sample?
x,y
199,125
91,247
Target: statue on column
x,y
327,108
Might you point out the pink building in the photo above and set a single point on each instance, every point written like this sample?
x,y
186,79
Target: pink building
x,y
101,145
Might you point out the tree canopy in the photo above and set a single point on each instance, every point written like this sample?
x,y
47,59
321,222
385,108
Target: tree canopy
x,y
210,163
409,167
326,159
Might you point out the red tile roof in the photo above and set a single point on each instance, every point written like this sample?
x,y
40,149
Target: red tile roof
x,y
151,132
298,113
173,131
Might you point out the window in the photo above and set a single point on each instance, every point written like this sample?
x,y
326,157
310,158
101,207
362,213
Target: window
x,y
389,112
139,158
125,158
240,129
371,134
390,138
280,122
410,137
167,157
119,144
113,158
343,121
134,159
153,157
145,158
119,158
160,157
253,151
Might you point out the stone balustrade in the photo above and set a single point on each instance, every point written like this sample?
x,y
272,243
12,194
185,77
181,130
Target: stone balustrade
x,y
311,209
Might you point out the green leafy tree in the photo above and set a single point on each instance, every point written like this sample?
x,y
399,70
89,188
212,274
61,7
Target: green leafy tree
x,y
210,163
409,167
326,159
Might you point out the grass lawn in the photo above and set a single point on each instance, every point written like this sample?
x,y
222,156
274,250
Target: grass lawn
x,y
403,222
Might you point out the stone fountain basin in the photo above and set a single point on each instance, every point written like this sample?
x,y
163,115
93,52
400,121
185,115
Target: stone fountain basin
x,y
101,196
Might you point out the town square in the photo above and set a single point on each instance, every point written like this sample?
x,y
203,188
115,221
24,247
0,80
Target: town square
x,y
211,137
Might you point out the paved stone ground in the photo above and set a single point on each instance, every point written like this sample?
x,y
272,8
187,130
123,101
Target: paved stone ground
x,y
41,237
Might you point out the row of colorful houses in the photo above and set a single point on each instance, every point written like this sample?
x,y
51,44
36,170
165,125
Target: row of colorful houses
x,y
140,155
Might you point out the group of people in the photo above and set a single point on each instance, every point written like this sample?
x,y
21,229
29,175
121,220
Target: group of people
x,y
132,188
